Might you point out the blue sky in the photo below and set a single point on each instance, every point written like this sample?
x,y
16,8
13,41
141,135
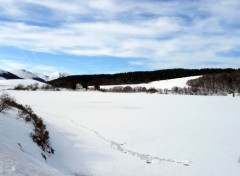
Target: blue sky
x,y
109,36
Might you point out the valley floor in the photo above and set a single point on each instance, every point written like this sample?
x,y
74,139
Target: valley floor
x,y
117,134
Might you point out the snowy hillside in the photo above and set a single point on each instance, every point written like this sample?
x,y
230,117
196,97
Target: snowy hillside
x,y
112,134
25,74
19,156
11,83
7,75
163,84
57,75
52,76
2,71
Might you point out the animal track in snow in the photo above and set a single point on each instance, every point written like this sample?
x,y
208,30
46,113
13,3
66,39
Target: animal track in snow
x,y
120,147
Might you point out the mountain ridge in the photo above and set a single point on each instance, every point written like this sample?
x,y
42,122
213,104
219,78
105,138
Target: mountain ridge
x,y
52,76
7,75
25,74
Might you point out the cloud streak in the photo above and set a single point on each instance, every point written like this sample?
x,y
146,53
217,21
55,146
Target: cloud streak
x,y
11,64
165,33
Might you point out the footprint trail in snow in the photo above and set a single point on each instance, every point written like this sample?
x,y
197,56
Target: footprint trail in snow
x,y
120,147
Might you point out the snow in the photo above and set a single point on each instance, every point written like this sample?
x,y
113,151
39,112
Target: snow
x,y
2,71
19,156
43,76
24,74
52,76
111,134
11,83
163,84
57,75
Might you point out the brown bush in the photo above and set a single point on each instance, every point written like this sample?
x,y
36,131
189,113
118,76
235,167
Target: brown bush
x,y
40,135
152,90
5,100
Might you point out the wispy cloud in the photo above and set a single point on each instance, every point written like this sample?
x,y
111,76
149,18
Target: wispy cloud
x,y
164,33
8,64
11,64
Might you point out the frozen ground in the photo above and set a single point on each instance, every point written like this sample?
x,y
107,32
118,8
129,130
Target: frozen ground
x,y
163,84
110,134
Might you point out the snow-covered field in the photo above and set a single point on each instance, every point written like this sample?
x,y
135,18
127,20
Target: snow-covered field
x,y
110,134
11,83
163,84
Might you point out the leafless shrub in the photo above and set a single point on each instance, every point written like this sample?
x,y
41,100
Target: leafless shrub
x,y
152,90
5,99
19,87
40,135
217,84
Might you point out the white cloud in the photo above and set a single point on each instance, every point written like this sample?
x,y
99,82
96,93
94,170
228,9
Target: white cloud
x,y
12,64
165,33
9,64
137,63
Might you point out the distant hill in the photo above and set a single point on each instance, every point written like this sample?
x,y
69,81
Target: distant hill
x,y
132,77
7,75
24,74
52,76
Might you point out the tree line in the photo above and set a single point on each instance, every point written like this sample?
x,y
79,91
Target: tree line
x,y
131,77
223,83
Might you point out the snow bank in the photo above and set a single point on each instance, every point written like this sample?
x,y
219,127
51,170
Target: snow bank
x,y
19,156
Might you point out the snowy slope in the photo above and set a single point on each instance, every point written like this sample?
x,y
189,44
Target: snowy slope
x,y
111,134
2,71
43,76
52,76
25,74
163,84
9,84
57,75
7,75
19,156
